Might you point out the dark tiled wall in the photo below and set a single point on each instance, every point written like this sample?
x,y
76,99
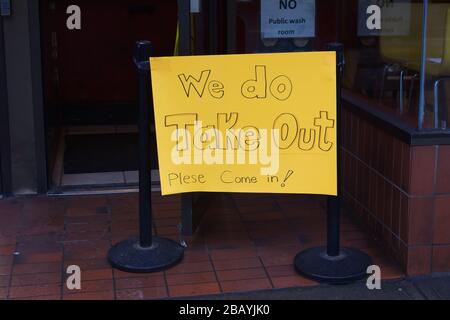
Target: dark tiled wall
x,y
401,192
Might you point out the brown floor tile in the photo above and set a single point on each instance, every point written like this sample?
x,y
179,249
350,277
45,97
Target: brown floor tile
x,y
38,243
423,165
241,274
281,271
287,251
355,243
91,286
233,254
224,224
41,215
86,235
86,250
241,246
35,279
195,256
7,250
441,259
442,220
191,267
33,268
121,227
99,274
6,260
292,281
34,291
105,295
5,270
190,278
4,281
391,273
280,239
190,290
262,216
8,239
148,281
169,230
166,213
420,228
246,285
281,259
166,222
3,293
85,227
46,298
116,238
142,294
237,264
117,274
90,264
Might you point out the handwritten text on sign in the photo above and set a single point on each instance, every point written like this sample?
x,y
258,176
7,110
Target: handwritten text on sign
x,y
263,123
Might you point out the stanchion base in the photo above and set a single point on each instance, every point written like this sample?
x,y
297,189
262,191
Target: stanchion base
x,y
350,266
129,256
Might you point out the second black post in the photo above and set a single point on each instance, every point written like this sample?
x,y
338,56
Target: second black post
x,y
147,253
333,264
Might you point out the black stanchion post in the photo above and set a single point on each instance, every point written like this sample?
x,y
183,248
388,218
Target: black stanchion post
x,y
333,203
141,57
333,226
148,253
333,264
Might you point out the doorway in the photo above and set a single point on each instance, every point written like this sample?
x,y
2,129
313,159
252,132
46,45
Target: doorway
x,y
90,87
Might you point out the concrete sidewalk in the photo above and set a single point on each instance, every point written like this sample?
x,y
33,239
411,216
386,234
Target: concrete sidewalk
x,y
431,288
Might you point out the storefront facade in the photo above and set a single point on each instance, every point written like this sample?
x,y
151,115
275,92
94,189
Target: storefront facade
x,y
4,152
395,138
24,167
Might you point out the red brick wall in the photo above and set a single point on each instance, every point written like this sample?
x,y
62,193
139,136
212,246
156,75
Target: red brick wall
x,y
401,192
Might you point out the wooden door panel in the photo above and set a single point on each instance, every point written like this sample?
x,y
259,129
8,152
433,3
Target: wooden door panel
x,y
94,64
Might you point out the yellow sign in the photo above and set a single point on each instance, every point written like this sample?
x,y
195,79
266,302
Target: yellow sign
x,y
259,123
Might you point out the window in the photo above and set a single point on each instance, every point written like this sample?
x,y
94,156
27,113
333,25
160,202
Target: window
x,y
436,82
383,66
395,63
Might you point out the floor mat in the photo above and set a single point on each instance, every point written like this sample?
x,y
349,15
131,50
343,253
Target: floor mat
x,y
103,153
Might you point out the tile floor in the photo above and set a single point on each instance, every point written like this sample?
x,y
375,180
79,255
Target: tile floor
x,y
245,243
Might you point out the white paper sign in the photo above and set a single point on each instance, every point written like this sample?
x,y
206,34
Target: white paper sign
x,y
195,6
395,18
288,19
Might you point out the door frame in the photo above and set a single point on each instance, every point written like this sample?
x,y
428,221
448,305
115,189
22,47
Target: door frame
x,y
40,129
5,143
194,205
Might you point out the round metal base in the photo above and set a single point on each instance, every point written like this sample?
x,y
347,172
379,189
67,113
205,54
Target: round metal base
x,y
351,265
129,256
